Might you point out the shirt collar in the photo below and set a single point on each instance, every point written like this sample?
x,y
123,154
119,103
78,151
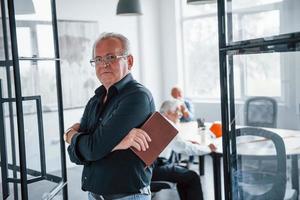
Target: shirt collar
x,y
123,82
118,85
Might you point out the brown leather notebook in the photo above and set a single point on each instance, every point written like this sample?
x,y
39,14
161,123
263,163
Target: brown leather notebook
x,y
161,132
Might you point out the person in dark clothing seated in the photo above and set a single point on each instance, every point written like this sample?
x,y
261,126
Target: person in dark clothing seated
x,y
187,181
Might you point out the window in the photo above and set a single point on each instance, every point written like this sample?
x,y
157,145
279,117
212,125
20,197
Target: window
x,y
200,43
201,57
260,74
35,39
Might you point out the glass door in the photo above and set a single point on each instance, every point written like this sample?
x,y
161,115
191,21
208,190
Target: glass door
x,y
33,162
259,67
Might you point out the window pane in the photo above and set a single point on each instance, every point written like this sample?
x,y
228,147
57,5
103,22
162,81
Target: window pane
x,y
45,40
2,52
201,57
238,78
38,78
273,75
24,42
254,25
261,18
2,56
261,74
193,10
238,4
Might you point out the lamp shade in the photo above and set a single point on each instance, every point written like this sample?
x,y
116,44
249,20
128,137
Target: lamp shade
x,y
24,7
129,7
197,2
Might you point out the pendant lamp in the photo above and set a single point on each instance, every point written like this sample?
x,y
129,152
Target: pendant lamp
x,y
129,8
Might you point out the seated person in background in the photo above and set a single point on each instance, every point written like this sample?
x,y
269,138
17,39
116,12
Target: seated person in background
x,y
186,106
188,181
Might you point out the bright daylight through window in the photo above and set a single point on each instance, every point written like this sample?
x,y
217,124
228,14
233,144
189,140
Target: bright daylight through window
x,y
200,49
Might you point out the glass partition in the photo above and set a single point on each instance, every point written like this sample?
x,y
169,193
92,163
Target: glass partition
x,y
259,65
32,150
252,19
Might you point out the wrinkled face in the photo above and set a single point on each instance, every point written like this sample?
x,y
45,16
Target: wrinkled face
x,y
109,73
176,93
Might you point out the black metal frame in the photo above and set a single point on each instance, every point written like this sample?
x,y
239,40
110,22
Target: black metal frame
x,y
4,171
13,63
278,43
224,108
59,99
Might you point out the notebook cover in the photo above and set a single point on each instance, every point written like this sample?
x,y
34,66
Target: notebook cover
x,y
161,132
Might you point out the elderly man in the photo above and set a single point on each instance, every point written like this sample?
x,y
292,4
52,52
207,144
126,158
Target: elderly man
x,y
187,181
109,126
186,106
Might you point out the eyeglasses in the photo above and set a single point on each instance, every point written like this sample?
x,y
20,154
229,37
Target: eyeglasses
x,y
105,60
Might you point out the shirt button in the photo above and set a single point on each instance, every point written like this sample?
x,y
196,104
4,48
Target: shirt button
x,y
85,178
100,119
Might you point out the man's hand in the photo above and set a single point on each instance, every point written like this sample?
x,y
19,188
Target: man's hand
x,y
212,147
71,132
68,135
136,138
184,111
194,142
75,126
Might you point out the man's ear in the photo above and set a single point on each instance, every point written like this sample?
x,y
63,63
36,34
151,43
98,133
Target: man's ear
x,y
130,61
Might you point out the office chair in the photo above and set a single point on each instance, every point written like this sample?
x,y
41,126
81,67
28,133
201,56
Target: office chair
x,y
268,180
261,112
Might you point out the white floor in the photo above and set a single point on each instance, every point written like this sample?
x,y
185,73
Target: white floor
x,y
75,192
36,191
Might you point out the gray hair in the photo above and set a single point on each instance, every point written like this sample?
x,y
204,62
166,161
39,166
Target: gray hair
x,y
169,106
125,42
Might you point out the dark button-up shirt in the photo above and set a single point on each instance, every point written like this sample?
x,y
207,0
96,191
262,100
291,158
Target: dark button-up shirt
x,y
103,126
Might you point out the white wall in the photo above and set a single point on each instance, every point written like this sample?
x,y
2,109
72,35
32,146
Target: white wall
x,y
150,49
170,45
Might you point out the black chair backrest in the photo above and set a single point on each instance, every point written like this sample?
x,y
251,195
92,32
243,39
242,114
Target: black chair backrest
x,y
260,176
261,112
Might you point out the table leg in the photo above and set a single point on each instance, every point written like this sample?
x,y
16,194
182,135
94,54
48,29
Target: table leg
x,y
201,165
295,173
217,175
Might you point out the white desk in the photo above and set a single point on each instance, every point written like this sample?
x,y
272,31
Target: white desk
x,y
291,139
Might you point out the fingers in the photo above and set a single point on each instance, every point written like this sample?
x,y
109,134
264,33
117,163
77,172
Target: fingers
x,y
136,145
212,147
144,134
140,138
76,126
144,137
141,143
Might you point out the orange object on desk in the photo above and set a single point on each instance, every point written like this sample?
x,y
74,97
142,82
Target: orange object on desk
x,y
216,128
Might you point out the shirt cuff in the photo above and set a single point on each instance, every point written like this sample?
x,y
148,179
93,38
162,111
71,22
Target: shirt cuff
x,y
73,152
